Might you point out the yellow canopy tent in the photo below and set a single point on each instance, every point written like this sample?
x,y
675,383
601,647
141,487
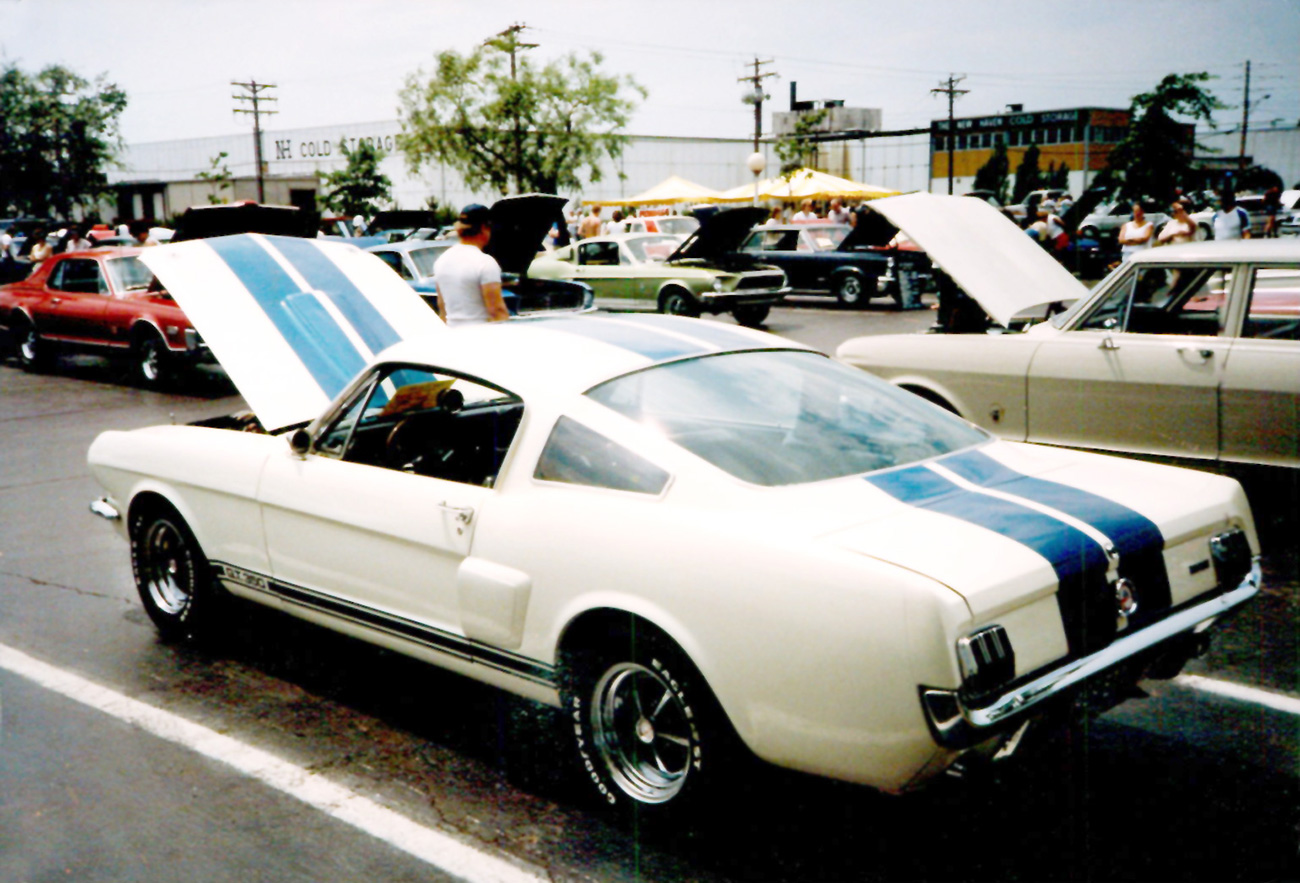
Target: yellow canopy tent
x,y
669,191
805,184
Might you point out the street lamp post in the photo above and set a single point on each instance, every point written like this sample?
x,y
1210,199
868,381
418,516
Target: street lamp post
x,y
756,162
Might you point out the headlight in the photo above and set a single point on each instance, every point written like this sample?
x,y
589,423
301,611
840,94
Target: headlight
x,y
717,285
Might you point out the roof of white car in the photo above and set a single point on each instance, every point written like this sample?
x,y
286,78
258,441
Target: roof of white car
x,y
568,354
1244,250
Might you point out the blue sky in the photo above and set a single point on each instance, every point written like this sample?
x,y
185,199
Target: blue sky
x,y
340,62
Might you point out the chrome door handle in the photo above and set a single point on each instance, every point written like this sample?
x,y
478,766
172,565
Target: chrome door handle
x,y
463,513
1205,354
56,300
1108,343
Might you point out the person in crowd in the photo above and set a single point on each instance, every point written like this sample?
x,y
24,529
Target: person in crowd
x,y
40,246
590,225
6,242
806,214
616,224
1136,234
837,214
1049,230
140,233
1272,208
1230,220
777,216
75,239
1179,228
468,279
1063,204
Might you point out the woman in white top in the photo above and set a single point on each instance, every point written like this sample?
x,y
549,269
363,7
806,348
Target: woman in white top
x,y
1135,235
1180,228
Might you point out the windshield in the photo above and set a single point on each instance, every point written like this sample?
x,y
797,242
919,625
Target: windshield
x,y
680,224
780,418
129,274
646,249
827,238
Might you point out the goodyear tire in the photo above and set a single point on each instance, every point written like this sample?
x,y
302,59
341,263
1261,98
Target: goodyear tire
x,y
175,582
651,740
678,302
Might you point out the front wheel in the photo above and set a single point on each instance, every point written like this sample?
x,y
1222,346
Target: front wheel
x,y
153,361
676,302
173,577
751,315
34,353
850,290
648,731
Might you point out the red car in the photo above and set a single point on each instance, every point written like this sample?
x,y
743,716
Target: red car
x,y
104,300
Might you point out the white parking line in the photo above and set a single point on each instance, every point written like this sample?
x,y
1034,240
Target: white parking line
x,y
448,853
1253,695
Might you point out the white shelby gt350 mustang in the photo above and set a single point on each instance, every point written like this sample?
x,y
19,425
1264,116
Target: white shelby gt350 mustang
x,y
701,540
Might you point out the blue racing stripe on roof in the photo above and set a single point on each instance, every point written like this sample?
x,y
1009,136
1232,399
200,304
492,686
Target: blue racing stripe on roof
x,y
306,326
1137,538
324,275
714,333
1078,561
642,341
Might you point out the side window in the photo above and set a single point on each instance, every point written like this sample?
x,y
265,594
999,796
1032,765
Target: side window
x,y
79,277
598,254
754,242
575,454
426,422
393,260
1190,300
1274,310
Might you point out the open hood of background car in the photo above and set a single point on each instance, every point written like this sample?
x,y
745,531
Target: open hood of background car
x,y
519,226
291,321
719,233
992,259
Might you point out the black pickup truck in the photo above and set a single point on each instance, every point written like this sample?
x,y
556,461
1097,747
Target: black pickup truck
x,y
852,263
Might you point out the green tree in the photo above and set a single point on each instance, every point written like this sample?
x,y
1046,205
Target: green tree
x,y
1155,157
1059,176
359,188
1028,176
993,175
797,150
502,121
58,133
218,175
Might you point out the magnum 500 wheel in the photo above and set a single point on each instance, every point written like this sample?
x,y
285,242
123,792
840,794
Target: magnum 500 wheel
x,y
176,584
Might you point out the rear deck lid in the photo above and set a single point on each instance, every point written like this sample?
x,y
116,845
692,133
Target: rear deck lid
x,y
292,321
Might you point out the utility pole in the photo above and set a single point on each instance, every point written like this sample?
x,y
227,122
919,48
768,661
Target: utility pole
x,y
508,41
1245,121
254,95
952,92
757,96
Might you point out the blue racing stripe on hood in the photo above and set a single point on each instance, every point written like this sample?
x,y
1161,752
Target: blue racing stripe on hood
x,y
1078,560
324,275
1136,537
306,326
643,341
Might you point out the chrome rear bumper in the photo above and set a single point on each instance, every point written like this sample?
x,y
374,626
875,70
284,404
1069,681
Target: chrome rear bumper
x,y
955,725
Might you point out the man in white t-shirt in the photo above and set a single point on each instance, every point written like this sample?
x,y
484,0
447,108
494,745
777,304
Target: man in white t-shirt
x,y
468,280
805,215
1231,220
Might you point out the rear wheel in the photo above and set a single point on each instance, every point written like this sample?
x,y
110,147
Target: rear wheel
x,y
172,575
850,290
678,302
34,353
751,316
650,736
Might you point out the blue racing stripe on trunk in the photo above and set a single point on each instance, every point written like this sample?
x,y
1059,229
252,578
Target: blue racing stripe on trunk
x,y
1137,539
306,326
1078,561
324,275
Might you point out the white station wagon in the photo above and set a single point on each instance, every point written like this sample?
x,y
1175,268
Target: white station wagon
x,y
705,542
1189,351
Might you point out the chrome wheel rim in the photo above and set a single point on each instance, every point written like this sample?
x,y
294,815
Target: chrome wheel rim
x,y
850,290
28,348
150,362
643,733
166,568
675,305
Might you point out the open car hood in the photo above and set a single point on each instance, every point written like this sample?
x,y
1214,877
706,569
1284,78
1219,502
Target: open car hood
x,y
992,259
292,321
719,233
519,226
